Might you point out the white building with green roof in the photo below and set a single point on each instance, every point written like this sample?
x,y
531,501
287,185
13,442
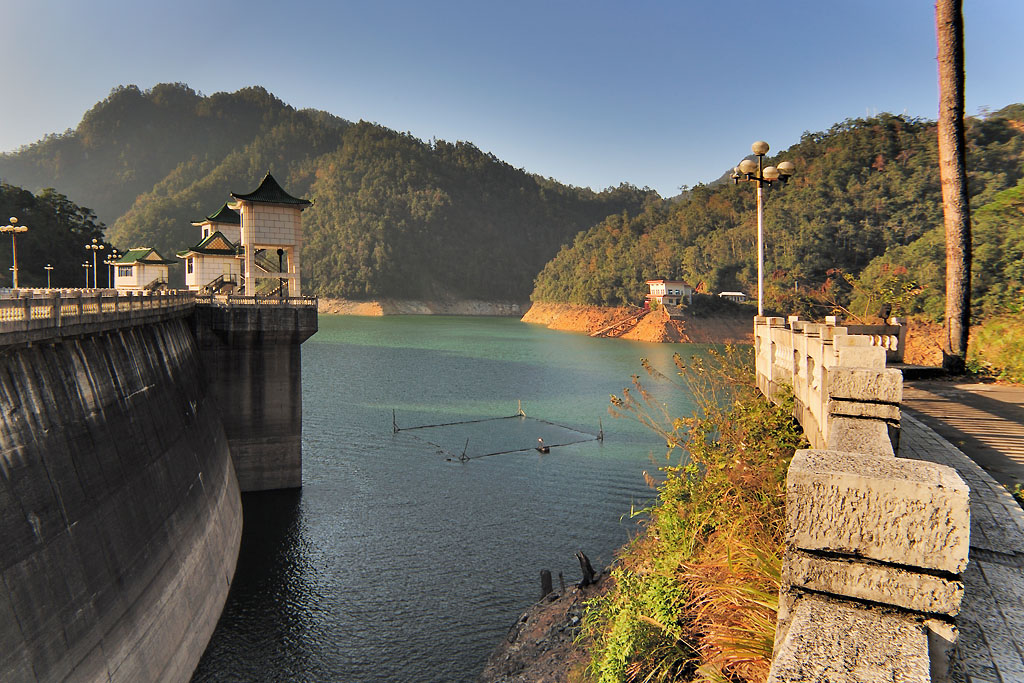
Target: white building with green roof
x,y
215,264
141,268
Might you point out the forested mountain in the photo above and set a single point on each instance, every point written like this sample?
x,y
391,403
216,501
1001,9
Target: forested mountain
x,y
58,229
866,193
392,215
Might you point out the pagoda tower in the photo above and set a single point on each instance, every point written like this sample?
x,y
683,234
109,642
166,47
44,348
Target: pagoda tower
x,y
271,238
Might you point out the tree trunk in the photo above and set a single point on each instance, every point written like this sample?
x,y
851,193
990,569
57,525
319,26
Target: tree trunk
x,y
953,174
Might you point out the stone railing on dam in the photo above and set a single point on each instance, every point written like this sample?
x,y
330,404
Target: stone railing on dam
x,y
875,545
233,300
47,315
124,420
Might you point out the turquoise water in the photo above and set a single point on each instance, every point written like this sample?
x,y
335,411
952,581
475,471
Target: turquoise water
x,y
399,562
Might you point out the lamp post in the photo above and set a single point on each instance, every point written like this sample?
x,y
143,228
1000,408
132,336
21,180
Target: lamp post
x,y
111,262
762,175
48,268
14,229
87,266
95,246
280,268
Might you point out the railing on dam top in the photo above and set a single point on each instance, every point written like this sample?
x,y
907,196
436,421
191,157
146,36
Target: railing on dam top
x,y
28,316
236,300
36,315
874,544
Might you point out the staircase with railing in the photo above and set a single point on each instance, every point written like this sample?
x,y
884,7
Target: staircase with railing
x,y
157,283
268,286
220,283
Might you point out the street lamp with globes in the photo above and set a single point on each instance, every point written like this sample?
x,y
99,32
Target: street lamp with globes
x,y
757,172
48,268
111,262
87,266
95,246
14,229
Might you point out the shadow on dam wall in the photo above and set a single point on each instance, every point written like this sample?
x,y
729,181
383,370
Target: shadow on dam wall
x,y
120,514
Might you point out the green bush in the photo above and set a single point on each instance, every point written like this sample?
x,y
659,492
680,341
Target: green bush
x,y
997,348
695,596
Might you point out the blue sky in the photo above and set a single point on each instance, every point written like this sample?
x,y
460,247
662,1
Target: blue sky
x,y
658,94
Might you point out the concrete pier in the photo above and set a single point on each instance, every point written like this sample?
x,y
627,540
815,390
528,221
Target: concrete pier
x,y
254,368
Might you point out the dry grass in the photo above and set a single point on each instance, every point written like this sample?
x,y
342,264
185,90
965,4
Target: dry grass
x,y
696,595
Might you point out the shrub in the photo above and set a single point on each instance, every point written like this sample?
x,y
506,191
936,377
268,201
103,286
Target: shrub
x,y
695,596
997,348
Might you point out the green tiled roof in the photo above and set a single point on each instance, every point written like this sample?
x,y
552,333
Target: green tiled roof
x,y
225,214
205,247
269,192
145,255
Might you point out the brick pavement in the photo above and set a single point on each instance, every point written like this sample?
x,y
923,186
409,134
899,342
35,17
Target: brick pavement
x,y
991,620
985,421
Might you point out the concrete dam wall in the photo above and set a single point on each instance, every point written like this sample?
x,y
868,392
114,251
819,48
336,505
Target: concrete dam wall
x,y
121,516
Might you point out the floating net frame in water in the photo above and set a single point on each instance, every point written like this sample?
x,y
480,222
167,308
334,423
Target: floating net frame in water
x,y
520,415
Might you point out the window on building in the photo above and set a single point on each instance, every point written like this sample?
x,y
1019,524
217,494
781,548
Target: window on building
x,y
124,271
188,265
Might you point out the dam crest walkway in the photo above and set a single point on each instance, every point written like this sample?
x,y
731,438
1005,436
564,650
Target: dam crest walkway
x,y
978,429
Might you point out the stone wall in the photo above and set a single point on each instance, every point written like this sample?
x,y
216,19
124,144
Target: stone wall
x,y
875,546
121,516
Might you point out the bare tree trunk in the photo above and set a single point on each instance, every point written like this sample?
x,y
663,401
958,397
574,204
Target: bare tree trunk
x,y
953,173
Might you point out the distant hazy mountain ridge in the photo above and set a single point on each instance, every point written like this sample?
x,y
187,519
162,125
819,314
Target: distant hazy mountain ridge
x,y
392,215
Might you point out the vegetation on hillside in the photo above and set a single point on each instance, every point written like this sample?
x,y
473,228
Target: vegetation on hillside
x,y
58,230
866,196
695,596
392,215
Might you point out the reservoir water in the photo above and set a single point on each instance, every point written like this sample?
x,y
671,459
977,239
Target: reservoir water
x,y
394,563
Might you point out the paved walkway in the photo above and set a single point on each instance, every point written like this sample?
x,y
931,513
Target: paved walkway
x,y
986,422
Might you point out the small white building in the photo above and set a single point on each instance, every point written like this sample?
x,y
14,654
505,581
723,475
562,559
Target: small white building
x,y
141,268
215,264
669,292
738,297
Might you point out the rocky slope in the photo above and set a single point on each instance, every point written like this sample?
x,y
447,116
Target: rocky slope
x,y
656,326
541,647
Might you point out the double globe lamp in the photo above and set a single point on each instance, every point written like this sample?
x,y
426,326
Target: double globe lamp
x,y
756,171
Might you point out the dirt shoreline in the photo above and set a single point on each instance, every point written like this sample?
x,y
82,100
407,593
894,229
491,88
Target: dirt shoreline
x,y
655,326
382,307
541,646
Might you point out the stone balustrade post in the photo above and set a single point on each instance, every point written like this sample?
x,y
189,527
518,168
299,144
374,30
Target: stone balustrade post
x,y
55,312
875,546
871,579
779,345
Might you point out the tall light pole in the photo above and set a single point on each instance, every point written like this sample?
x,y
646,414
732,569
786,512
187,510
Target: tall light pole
x,y
111,262
95,246
48,268
14,229
87,266
762,175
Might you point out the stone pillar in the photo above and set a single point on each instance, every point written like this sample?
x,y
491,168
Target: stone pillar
x,y
863,399
294,283
875,547
252,358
